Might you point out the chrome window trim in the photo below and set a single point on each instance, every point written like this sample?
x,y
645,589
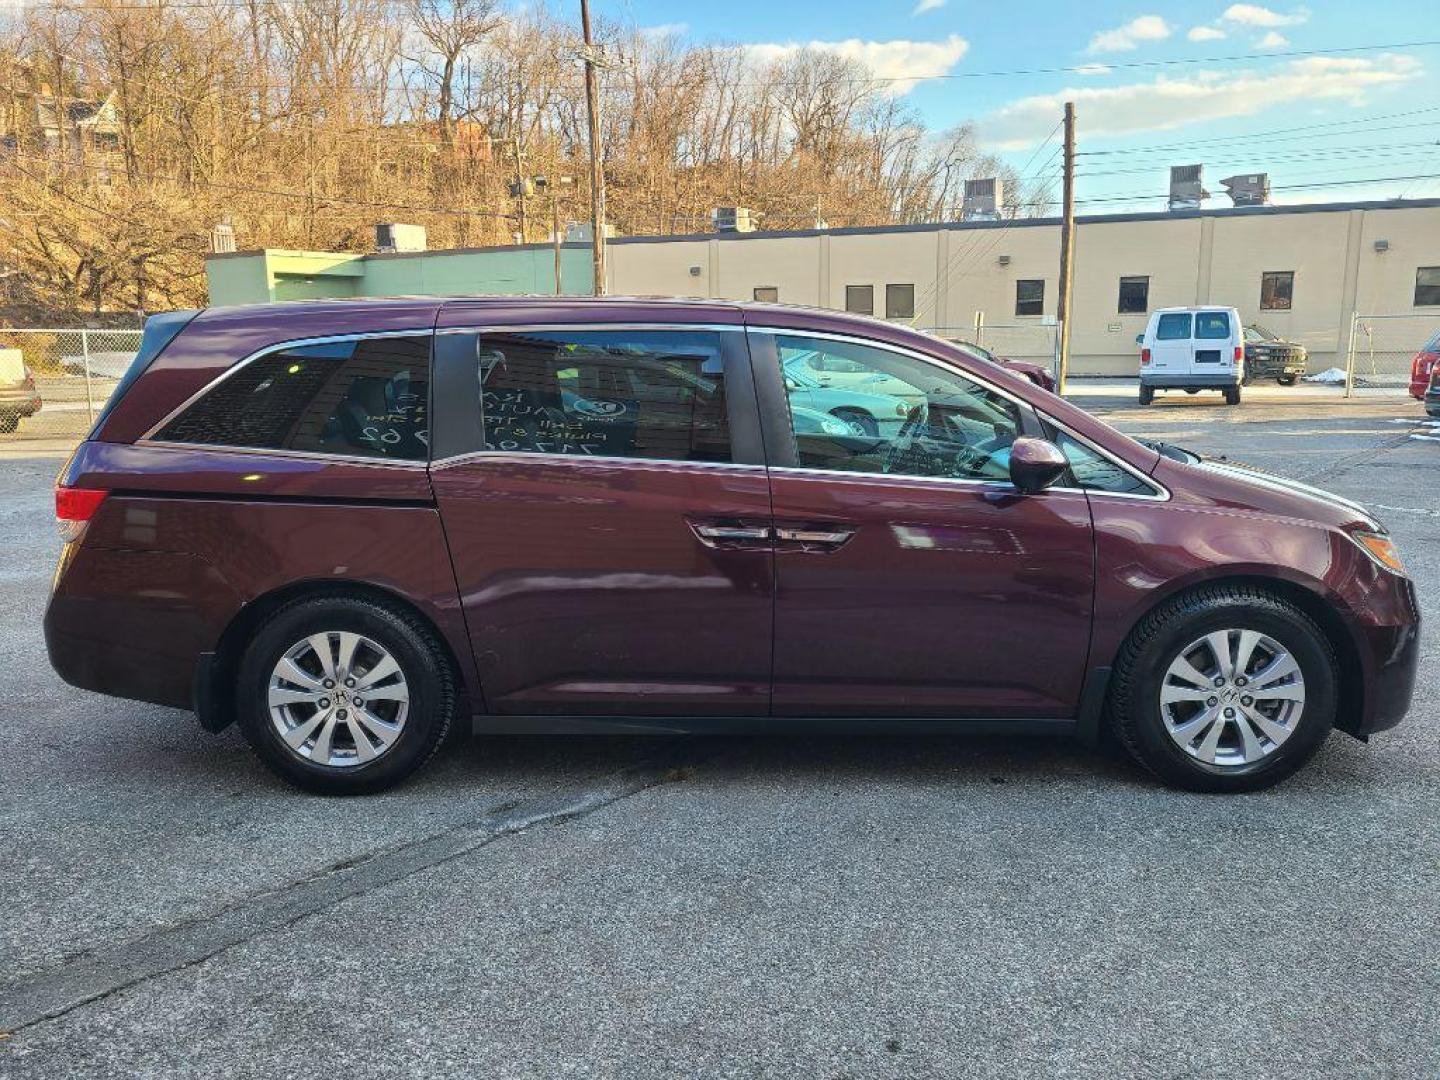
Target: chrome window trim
x,y
150,438
300,455
1161,493
589,460
586,326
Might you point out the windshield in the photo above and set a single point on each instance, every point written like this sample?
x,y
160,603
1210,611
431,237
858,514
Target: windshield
x,y
1259,333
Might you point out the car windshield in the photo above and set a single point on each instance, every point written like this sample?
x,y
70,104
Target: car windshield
x,y
1254,332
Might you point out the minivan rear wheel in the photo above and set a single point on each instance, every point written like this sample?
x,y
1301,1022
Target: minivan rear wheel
x,y
342,695
1224,689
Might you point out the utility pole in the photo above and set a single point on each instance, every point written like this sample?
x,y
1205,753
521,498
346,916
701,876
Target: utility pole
x,y
597,176
1067,250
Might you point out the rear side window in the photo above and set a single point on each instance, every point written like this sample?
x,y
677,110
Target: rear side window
x,y
1173,327
1212,325
630,394
367,398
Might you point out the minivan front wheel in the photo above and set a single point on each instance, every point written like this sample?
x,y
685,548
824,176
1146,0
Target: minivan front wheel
x,y
342,695
1225,689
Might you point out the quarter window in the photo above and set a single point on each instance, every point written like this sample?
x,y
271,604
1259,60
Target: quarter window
x,y
368,398
657,395
858,408
1427,286
899,301
1277,290
860,299
1134,295
1093,472
769,294
1030,298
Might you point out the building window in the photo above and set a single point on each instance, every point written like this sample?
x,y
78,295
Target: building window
x,y
364,398
610,393
860,299
1277,290
899,301
770,294
1134,295
1427,286
1030,298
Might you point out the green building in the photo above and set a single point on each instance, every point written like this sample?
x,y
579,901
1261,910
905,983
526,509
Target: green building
x,y
258,277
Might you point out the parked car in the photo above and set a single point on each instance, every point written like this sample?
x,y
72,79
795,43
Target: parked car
x,y
1432,392
1036,373
1268,356
19,396
305,520
865,409
1192,349
1423,365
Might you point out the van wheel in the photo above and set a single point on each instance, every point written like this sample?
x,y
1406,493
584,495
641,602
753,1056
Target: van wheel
x,y
1147,394
1226,688
344,696
1232,395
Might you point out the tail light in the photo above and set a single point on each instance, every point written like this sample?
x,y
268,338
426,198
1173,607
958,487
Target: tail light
x,y
1144,356
1239,353
74,507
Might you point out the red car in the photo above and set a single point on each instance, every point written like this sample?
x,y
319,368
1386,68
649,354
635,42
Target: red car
x,y
1036,373
346,526
1423,364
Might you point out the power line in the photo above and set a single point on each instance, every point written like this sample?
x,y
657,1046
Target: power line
x,y
1388,151
1189,143
1142,196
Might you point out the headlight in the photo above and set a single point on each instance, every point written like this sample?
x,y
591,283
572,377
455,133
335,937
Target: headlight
x,y
902,409
1381,549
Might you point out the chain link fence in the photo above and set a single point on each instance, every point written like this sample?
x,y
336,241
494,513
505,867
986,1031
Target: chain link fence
x,y
1382,347
53,383
1034,342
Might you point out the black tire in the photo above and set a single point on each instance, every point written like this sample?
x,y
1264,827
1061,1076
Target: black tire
x,y
1147,394
1232,395
860,422
422,660
1192,390
1286,380
1145,658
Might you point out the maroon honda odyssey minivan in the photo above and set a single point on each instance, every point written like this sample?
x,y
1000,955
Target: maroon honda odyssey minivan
x,y
347,525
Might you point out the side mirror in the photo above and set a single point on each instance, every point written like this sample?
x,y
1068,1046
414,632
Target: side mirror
x,y
1035,464
1139,339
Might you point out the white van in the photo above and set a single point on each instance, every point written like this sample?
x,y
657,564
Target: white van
x,y
1191,349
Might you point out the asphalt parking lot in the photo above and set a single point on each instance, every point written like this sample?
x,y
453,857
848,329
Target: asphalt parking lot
x,y
798,907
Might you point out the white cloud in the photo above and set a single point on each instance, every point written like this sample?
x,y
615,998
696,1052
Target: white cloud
x,y
900,61
1093,69
1166,103
664,30
1205,33
927,5
1127,37
1273,40
1263,17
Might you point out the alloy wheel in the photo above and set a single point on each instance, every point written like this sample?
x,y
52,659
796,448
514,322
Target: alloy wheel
x,y
1232,697
338,698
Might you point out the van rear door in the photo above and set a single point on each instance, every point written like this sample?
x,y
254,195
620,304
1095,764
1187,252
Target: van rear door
x,y
1213,348
1172,352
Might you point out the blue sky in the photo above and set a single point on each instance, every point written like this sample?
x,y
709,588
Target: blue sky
x,y
1357,113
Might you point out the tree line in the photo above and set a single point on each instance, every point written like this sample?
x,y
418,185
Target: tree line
x,y
301,123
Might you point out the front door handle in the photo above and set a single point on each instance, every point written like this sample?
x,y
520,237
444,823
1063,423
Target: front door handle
x,y
732,532
824,537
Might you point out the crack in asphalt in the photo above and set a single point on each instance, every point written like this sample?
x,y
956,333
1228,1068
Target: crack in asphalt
x,y
112,969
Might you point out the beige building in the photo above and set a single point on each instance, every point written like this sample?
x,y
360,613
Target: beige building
x,y
1300,271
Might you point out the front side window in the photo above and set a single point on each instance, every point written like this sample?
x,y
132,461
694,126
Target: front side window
x,y
899,301
1173,327
1427,286
1277,290
611,393
860,299
1134,295
1029,298
367,398
1094,472
1212,325
769,294
901,415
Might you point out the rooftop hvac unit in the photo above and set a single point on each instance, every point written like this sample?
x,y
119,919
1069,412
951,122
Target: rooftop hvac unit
x,y
1249,189
222,238
983,199
391,236
733,219
1187,190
